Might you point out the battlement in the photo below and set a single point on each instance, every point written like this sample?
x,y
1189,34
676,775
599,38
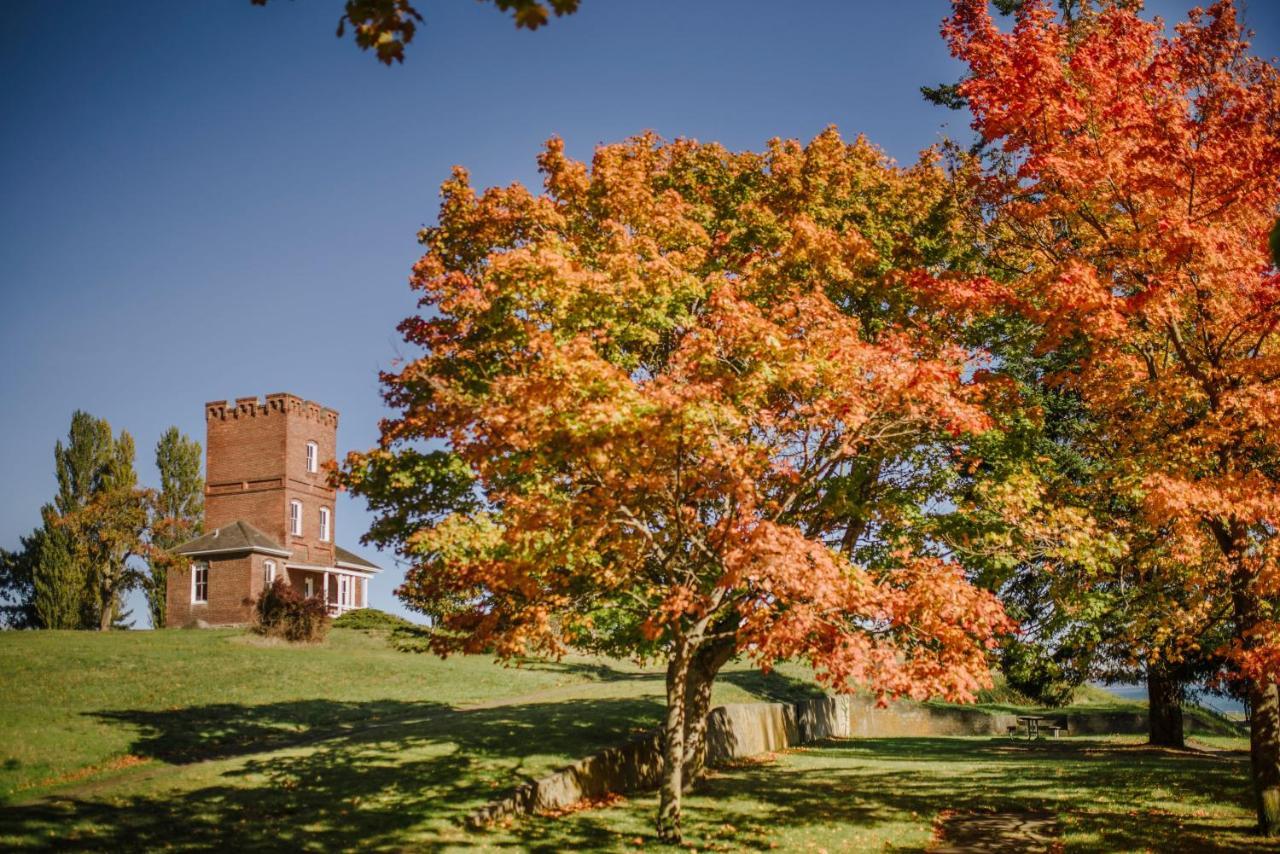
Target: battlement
x,y
275,404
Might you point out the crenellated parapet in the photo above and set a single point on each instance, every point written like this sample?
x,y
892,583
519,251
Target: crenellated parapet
x,y
274,404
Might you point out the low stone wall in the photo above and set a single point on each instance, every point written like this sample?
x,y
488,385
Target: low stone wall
x,y
736,731
635,765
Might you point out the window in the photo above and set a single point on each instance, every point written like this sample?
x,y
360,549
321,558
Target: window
x,y
199,583
295,518
324,524
311,456
310,585
268,572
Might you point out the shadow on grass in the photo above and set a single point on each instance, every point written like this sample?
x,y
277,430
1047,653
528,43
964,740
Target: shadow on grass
x,y
405,774
772,687
402,775
591,670
1103,792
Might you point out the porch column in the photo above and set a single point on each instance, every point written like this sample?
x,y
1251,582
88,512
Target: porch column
x,y
364,593
326,590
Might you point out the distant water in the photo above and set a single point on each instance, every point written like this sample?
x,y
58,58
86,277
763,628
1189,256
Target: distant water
x,y
1130,691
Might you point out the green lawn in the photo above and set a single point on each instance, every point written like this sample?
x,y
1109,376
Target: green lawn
x,y
212,740
874,794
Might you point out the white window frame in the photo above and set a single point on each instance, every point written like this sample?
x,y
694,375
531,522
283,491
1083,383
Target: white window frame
x,y
295,518
326,519
268,572
197,569
310,586
313,457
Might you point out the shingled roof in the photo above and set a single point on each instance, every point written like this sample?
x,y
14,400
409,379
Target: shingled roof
x,y
343,556
236,537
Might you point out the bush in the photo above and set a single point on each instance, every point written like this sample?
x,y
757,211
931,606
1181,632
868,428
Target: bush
x,y
370,620
282,611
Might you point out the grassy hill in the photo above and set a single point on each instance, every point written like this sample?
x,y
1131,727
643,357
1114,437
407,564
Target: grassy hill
x,y
209,739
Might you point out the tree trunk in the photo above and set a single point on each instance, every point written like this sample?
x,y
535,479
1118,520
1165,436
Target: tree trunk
x,y
703,669
107,615
1264,755
1164,706
673,746
1264,702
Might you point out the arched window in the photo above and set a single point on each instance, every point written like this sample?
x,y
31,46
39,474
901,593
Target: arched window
x,y
313,454
268,572
295,518
324,524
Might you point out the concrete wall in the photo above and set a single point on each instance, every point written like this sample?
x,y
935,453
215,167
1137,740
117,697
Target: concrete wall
x,y
736,731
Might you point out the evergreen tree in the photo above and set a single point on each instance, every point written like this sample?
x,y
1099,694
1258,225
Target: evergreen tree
x,y
176,513
71,572
58,583
17,590
61,596
83,462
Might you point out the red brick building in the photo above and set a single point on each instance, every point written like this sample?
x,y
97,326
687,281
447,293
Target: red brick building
x,y
269,512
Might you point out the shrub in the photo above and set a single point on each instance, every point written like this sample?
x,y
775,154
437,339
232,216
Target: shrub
x,y
282,611
370,620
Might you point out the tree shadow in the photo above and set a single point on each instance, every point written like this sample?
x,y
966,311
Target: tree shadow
x,y
392,774
388,774
221,730
590,670
773,687
861,783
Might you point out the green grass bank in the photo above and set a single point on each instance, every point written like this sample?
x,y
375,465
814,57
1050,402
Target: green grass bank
x,y
211,739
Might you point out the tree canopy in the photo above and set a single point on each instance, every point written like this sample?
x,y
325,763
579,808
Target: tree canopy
x,y
689,400
1132,186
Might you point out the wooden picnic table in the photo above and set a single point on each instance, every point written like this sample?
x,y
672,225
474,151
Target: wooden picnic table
x,y
1030,725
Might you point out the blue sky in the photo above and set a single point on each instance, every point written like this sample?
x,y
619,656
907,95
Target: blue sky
x,y
209,200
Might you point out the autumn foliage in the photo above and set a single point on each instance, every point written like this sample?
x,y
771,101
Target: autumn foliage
x,y
1132,185
683,404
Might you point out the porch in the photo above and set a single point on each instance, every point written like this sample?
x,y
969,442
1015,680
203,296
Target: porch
x,y
341,590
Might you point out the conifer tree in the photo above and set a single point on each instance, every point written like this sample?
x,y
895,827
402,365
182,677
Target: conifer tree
x,y
58,581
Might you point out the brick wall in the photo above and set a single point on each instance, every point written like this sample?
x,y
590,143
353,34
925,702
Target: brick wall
x,y
232,580
256,464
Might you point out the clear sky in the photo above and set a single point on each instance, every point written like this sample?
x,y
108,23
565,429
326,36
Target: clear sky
x,y
206,200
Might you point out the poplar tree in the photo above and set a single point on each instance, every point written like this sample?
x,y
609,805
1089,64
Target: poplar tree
x,y
176,513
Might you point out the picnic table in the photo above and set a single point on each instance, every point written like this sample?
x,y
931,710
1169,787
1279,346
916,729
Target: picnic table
x,y
1033,726
1030,725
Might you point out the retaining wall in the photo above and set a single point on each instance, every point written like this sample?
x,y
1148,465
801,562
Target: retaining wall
x,y
736,731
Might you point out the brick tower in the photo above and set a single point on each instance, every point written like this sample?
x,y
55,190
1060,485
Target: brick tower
x,y
269,512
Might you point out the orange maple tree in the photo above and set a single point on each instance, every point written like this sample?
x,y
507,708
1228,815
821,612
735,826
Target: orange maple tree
x,y
682,405
1132,181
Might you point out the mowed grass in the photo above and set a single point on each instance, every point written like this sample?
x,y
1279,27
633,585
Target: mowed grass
x,y
1109,795
210,740
77,701
142,739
